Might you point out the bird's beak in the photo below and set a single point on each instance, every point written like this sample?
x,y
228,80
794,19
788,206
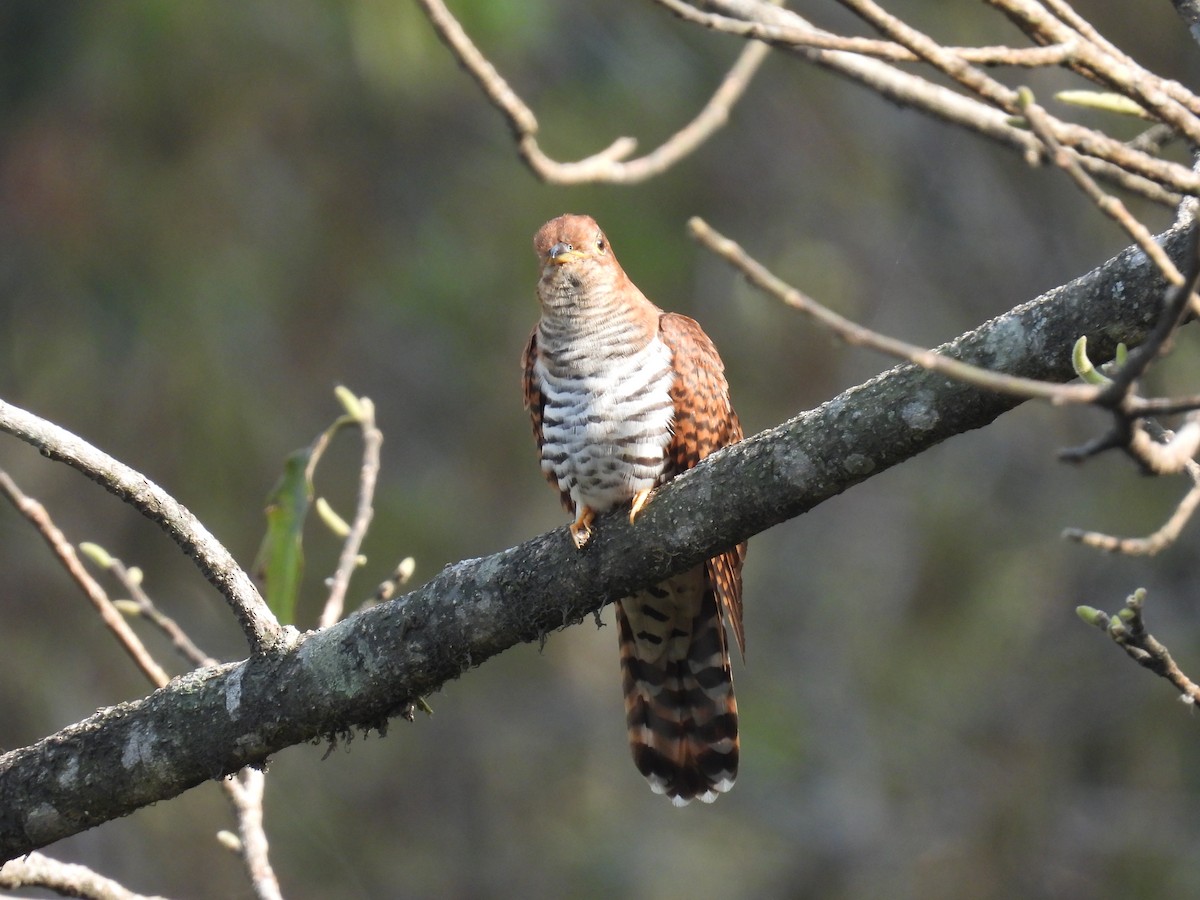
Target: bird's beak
x,y
563,252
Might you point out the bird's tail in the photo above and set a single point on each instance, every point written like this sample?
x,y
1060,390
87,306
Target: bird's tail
x,y
679,702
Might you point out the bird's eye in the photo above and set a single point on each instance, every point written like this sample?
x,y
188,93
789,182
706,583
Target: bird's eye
x,y
600,245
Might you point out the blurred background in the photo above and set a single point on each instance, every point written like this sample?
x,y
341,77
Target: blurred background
x,y
212,214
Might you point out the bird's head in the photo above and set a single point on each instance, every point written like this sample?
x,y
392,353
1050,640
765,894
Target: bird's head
x,y
577,261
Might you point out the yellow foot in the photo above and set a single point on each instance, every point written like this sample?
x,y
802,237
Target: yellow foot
x,y
581,528
640,499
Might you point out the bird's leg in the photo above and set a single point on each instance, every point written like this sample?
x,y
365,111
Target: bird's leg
x,y
581,528
640,499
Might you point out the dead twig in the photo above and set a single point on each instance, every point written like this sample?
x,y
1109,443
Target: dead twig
x,y
217,564
609,165
362,411
115,622
856,335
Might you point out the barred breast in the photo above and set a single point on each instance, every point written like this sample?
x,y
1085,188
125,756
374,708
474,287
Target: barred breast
x,y
607,419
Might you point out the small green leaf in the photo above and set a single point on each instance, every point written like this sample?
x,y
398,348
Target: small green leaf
x,y
280,562
127,608
332,520
1083,366
96,554
350,403
1092,616
229,841
1105,100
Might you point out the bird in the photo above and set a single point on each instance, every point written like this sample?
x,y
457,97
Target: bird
x,y
623,397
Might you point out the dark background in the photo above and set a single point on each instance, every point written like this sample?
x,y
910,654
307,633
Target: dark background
x,y
211,214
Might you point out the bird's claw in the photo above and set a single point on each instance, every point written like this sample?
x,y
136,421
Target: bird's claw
x,y
640,499
581,528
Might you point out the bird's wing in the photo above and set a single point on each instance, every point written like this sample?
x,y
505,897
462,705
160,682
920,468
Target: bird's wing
x,y
704,422
535,403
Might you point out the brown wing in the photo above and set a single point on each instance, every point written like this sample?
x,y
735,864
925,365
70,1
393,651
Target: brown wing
x,y
704,422
535,403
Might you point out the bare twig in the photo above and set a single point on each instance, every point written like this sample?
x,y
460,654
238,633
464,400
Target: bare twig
x,y
67,879
1128,631
857,335
245,790
1068,161
109,614
214,561
1165,457
1100,60
147,608
1151,544
1129,167
369,473
792,36
609,165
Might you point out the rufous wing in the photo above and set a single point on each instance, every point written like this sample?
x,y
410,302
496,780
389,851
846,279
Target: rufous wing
x,y
704,423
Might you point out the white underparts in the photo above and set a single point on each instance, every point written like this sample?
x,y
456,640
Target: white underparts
x,y
606,422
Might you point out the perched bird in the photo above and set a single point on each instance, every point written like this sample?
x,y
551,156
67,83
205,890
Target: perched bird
x,y
624,397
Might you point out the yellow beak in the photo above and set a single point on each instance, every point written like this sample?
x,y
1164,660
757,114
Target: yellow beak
x,y
563,253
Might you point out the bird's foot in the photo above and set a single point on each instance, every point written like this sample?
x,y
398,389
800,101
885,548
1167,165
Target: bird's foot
x,y
581,528
640,499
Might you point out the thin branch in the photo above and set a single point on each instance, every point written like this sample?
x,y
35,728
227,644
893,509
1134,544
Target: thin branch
x,y
1128,167
368,475
792,36
1152,544
1128,631
1068,161
109,614
1163,406
609,165
935,54
1168,100
246,792
1085,28
1164,457
214,561
856,335
164,623
1140,85
67,879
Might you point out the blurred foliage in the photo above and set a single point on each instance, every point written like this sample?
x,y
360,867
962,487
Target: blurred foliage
x,y
212,213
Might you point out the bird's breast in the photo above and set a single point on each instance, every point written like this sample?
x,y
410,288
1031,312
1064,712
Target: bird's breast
x,y
606,421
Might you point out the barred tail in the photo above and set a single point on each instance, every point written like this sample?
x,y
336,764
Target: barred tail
x,y
679,702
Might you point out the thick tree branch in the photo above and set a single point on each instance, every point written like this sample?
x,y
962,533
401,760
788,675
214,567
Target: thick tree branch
x,y
364,669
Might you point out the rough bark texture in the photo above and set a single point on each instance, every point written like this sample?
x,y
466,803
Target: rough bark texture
x,y
361,671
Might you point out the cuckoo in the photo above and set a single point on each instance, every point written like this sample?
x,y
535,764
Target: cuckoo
x,y
624,397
